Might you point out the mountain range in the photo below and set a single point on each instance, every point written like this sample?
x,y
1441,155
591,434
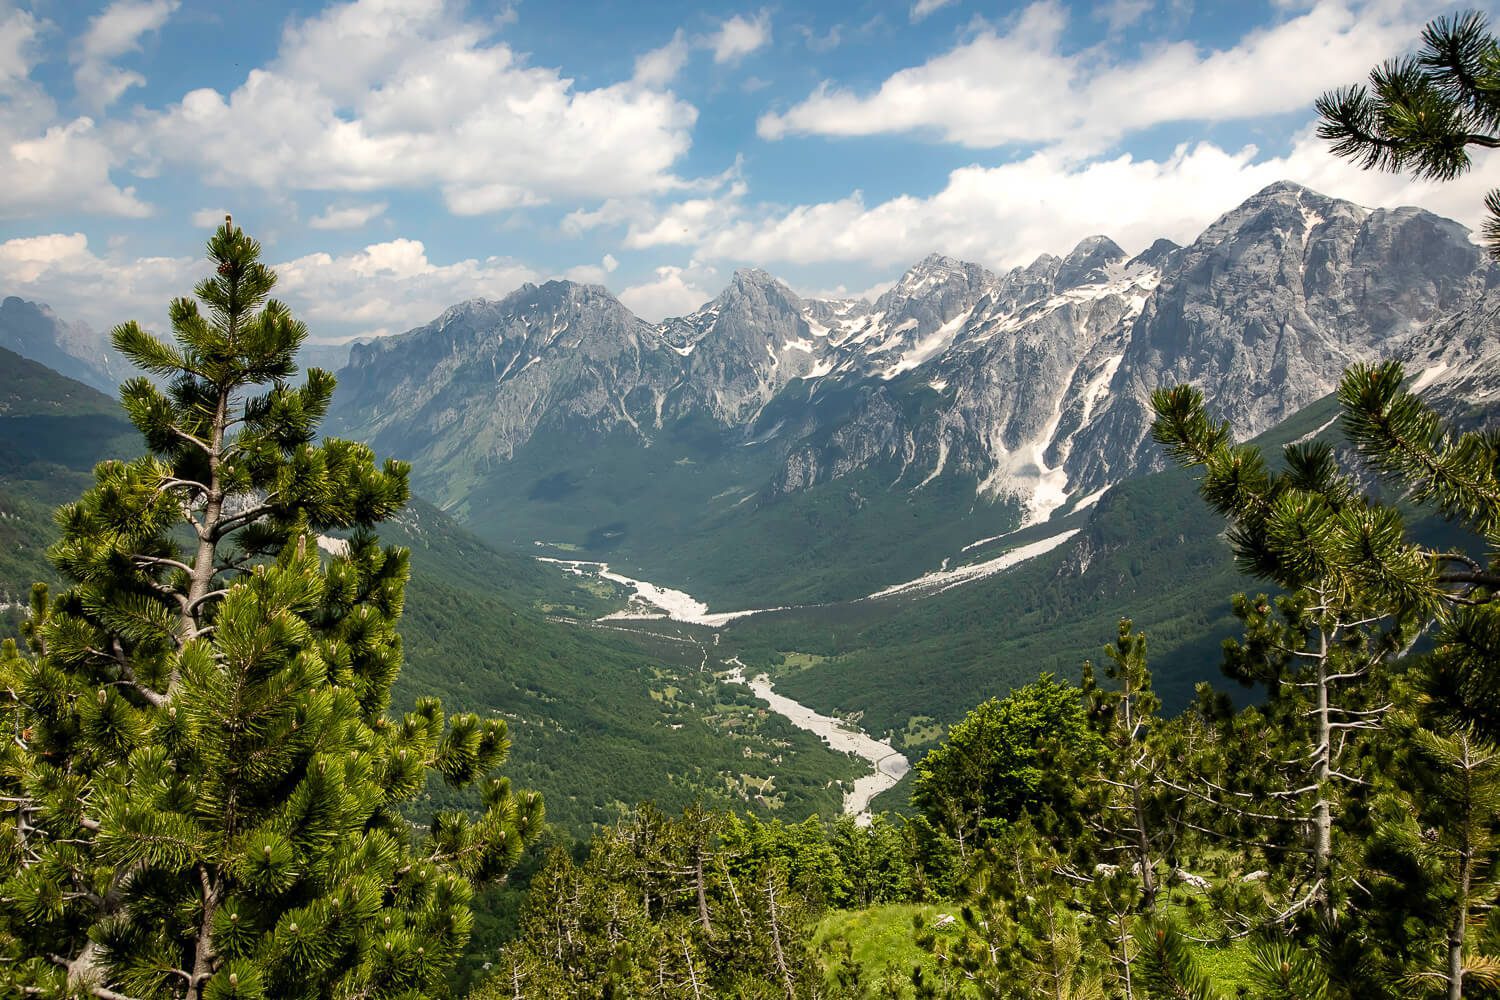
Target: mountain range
x,y
771,450
768,430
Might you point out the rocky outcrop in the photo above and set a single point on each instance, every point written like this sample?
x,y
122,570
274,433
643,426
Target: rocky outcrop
x,y
1032,384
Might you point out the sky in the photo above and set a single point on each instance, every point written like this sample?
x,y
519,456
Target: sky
x,y
398,156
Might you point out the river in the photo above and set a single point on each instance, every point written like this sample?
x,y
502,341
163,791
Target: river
x,y
888,765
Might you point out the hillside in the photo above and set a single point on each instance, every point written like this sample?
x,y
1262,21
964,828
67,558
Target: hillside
x,y
769,449
598,719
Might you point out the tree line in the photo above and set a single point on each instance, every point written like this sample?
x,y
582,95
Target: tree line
x,y
205,791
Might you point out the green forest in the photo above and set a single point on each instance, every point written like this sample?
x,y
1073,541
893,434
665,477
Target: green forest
x,y
246,758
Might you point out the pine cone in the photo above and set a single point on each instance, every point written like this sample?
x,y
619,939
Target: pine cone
x,y
226,269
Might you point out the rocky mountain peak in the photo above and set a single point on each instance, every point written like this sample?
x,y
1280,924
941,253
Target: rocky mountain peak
x,y
34,331
1086,263
757,288
1155,255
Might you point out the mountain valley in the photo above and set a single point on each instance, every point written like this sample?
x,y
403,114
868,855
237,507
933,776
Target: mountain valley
x,y
938,494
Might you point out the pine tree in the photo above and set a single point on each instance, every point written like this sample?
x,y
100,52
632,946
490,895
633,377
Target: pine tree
x,y
1420,114
664,908
1357,591
1135,814
1020,936
203,792
1169,968
1438,847
1458,475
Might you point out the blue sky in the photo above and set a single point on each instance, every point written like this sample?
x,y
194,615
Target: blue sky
x,y
396,156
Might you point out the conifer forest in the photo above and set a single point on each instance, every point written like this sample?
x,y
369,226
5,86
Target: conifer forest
x,y
345,681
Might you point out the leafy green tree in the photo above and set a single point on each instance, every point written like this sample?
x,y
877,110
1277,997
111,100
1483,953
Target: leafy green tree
x,y
994,765
1420,114
202,789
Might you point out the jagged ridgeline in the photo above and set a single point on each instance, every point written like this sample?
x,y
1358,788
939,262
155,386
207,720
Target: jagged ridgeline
x,y
772,450
769,449
636,718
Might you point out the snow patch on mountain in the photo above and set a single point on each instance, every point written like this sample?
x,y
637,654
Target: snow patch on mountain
x,y
940,580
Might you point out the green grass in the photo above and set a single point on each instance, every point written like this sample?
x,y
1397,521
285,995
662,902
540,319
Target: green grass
x,y
881,940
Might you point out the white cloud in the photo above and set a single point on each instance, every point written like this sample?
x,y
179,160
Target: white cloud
x,y
209,218
593,274
18,34
1007,215
65,168
1121,14
1019,86
114,32
922,8
685,222
388,287
869,294
49,164
399,94
60,270
740,35
347,216
384,288
674,291
660,67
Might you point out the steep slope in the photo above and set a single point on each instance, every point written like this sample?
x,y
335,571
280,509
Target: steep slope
x,y
35,332
599,718
770,449
52,431
1269,305
463,393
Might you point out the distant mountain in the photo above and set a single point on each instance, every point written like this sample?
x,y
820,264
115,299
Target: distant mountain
x,y
773,448
598,718
34,331
52,431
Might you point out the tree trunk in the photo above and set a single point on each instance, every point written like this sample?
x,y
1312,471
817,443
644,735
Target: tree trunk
x,y
1458,929
1323,774
203,957
781,966
708,928
204,563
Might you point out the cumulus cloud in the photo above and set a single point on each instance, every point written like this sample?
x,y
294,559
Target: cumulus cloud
x,y
922,8
1018,85
377,94
209,218
383,288
672,291
685,222
49,164
660,67
593,274
64,167
112,33
347,216
18,34
61,270
740,35
389,287
1006,215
